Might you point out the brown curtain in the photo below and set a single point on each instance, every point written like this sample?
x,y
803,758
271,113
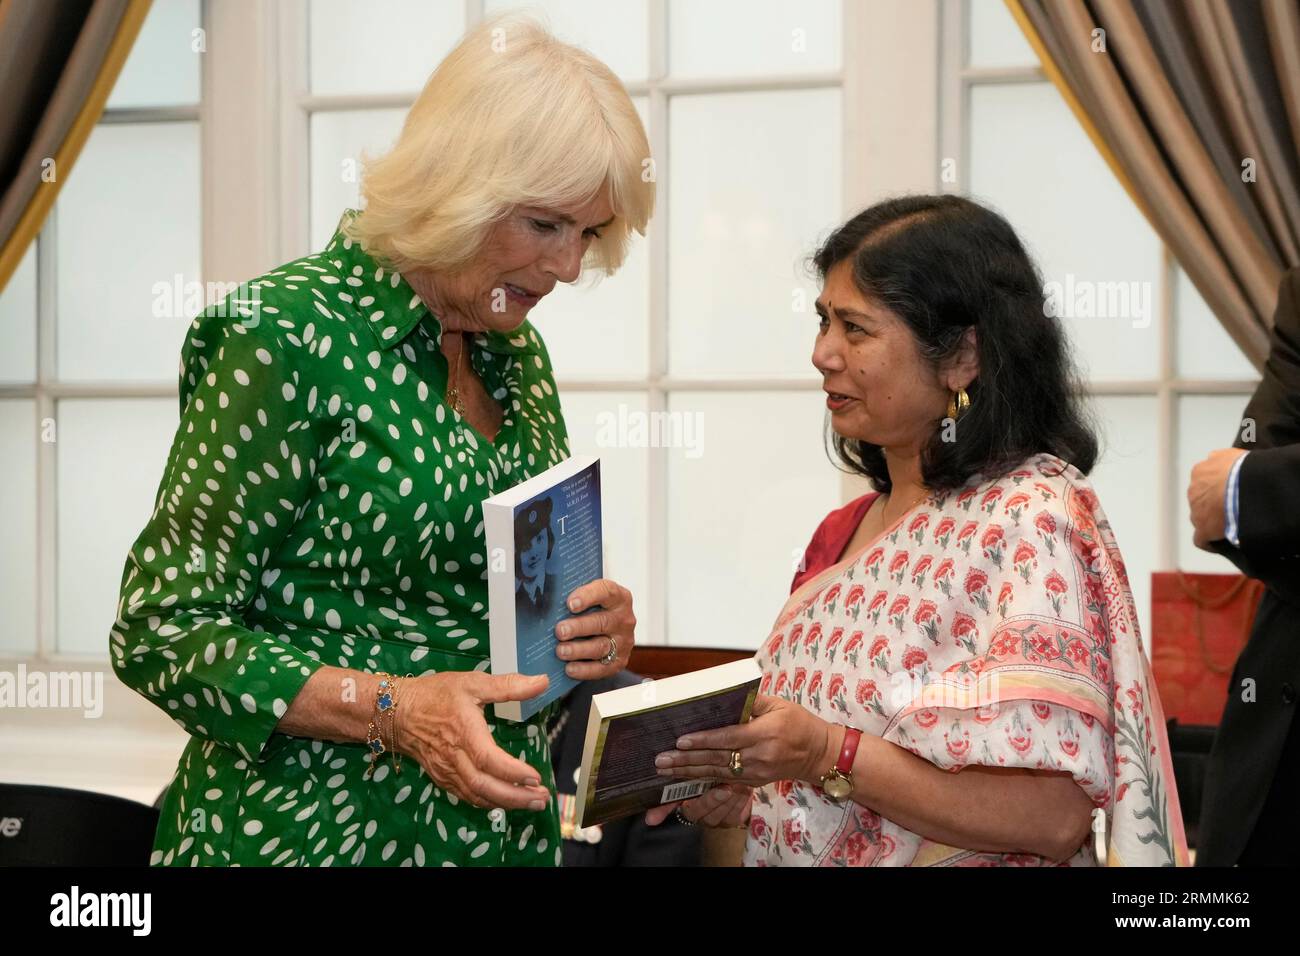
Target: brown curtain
x,y
59,60
1195,104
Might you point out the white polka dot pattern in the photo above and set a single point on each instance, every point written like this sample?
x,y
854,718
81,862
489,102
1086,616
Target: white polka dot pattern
x,y
321,504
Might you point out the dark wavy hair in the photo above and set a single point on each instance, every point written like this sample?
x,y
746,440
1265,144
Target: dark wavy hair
x,y
944,264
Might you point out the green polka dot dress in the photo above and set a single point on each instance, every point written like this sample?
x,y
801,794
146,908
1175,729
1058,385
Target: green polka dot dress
x,y
321,505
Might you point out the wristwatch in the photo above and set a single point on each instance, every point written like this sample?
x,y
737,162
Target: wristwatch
x,y
837,783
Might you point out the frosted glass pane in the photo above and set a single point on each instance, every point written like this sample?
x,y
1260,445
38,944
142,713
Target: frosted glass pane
x,y
616,33
599,331
743,37
601,423
755,184
18,322
338,141
128,253
995,38
379,46
1126,479
1031,161
163,66
111,457
1205,350
742,511
19,438
1205,423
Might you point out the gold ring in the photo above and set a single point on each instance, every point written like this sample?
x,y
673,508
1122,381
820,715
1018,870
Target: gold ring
x,y
612,655
737,768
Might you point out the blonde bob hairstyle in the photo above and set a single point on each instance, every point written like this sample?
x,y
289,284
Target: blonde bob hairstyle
x,y
511,117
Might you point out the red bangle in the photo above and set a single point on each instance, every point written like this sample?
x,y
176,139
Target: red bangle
x,y
850,749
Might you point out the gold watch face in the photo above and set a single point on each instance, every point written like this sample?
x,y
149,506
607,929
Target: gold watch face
x,y
836,785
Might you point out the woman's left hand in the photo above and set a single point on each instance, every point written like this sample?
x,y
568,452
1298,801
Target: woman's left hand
x,y
585,640
782,741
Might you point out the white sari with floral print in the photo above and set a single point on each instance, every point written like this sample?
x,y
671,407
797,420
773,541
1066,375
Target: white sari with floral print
x,y
993,625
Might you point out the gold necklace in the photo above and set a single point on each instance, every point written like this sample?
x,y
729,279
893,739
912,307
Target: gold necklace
x,y
453,390
887,523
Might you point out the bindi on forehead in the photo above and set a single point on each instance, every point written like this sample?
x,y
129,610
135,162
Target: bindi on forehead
x,y
855,314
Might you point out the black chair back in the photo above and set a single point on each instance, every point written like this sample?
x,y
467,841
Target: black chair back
x,y
54,826
1190,755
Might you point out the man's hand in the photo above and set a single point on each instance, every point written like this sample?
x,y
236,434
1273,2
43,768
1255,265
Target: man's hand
x,y
1205,495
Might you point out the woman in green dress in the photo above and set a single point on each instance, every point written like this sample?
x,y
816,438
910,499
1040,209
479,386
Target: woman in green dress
x,y
319,520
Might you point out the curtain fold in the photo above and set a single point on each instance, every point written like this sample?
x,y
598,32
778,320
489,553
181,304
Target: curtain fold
x,y
58,64
1195,105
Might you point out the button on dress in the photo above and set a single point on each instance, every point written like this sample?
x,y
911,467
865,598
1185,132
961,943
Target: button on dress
x,y
321,505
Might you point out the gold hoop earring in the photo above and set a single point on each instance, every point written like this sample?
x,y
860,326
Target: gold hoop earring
x,y
958,403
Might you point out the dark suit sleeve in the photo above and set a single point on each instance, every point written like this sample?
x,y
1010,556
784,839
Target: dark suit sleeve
x,y
1270,431
669,844
1275,407
1270,484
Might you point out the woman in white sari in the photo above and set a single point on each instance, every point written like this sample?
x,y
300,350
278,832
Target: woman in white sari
x,y
957,677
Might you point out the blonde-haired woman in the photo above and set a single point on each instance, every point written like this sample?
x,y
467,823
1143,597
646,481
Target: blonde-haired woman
x,y
309,598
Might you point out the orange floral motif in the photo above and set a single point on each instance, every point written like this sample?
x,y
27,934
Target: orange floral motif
x,y
1025,558
966,535
873,562
898,610
914,657
898,566
976,585
796,632
926,719
943,530
927,618
833,642
965,630
1005,594
1015,505
916,528
880,648
957,743
852,647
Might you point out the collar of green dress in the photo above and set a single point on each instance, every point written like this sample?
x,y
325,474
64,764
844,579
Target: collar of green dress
x,y
393,308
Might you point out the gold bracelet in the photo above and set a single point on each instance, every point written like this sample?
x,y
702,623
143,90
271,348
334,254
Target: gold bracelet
x,y
386,695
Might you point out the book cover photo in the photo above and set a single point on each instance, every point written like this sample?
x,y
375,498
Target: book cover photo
x,y
543,541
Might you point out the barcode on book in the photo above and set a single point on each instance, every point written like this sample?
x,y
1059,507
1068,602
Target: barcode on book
x,y
683,791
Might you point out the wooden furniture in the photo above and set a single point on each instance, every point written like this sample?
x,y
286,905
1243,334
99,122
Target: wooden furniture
x,y
656,662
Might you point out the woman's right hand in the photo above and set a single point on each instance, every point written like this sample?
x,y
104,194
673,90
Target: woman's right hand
x,y
440,723
725,806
